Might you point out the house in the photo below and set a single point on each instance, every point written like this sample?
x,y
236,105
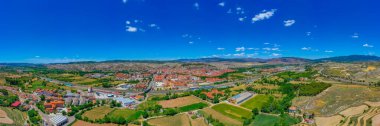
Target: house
x,y
213,92
237,99
16,104
51,106
292,109
59,120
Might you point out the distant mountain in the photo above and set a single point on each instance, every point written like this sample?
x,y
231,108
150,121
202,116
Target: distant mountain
x,y
284,60
351,58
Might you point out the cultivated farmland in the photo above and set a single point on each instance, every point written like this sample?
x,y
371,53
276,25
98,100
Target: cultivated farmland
x,y
97,113
177,120
256,102
232,111
11,117
222,118
179,102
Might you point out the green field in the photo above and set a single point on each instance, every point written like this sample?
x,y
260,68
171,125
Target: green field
x,y
97,113
270,120
15,115
125,113
256,102
192,107
232,111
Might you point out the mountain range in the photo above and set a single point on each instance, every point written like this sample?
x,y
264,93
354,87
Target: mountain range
x,y
282,60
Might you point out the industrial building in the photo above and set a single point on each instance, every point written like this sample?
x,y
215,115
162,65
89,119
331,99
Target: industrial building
x,y
59,120
237,99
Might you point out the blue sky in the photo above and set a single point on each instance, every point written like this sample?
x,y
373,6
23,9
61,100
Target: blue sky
x,y
45,31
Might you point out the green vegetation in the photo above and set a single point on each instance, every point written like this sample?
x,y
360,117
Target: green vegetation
x,y
15,115
34,117
270,120
232,111
195,106
256,102
6,98
312,89
126,114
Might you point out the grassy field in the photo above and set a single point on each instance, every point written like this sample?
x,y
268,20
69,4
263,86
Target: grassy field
x,y
270,120
177,120
97,113
337,98
17,116
83,123
222,118
255,102
125,113
179,102
232,111
191,107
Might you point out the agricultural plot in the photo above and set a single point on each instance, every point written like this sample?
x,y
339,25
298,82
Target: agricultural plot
x,y
222,118
97,113
328,121
271,120
125,113
198,122
232,111
256,102
83,123
337,98
192,107
10,117
177,120
179,102
265,120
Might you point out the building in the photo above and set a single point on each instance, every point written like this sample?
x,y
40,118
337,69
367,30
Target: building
x,y
16,104
125,101
213,92
237,99
51,106
59,120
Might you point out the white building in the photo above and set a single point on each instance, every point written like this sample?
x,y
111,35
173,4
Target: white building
x,y
59,120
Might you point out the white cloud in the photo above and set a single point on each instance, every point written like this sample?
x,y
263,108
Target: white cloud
x,y
37,56
267,43
368,45
220,48
308,33
252,55
306,48
263,15
127,22
229,11
271,49
289,23
227,55
131,29
191,42
196,5
329,51
356,35
276,54
238,8
125,1
239,54
253,49
242,18
240,49
222,4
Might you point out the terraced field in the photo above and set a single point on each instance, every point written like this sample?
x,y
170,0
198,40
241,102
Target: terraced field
x,y
363,119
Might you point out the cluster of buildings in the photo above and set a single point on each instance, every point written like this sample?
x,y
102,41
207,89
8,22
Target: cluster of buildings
x,y
184,78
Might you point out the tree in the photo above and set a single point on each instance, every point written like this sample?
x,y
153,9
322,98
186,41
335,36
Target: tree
x,y
170,112
42,97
